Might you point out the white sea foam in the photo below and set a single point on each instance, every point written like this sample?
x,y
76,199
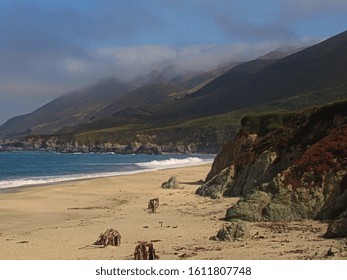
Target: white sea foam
x,y
173,162
13,183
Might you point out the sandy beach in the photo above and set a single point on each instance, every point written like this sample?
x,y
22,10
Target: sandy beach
x,y
62,221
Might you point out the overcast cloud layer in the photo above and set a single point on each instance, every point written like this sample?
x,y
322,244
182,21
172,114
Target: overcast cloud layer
x,y
50,47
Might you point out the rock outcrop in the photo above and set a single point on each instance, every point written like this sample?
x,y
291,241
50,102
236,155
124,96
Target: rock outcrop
x,y
58,144
216,186
172,183
337,228
296,171
237,230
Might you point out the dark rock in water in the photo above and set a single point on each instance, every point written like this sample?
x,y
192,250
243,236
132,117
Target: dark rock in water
x,y
235,231
172,183
149,150
337,228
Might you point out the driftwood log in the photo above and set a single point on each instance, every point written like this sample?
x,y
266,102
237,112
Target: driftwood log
x,y
109,237
153,204
142,253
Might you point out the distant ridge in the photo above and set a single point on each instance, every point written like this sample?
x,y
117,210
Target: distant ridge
x,y
69,109
281,53
106,98
322,66
194,107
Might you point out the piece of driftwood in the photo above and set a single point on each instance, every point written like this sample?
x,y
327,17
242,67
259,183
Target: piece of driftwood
x,y
145,251
109,237
153,204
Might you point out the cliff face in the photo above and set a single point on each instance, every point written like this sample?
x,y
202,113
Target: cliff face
x,y
296,171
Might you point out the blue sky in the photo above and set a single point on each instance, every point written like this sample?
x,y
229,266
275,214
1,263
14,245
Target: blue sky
x,y
49,47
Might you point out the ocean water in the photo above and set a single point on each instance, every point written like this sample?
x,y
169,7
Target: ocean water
x,y
34,168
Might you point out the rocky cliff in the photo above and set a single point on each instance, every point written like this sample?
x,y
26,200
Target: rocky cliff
x,y
296,169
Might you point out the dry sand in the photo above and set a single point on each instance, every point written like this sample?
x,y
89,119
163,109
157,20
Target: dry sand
x,y
61,221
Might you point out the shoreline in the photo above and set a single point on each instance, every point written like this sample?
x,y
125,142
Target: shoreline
x,y
61,221
36,185
98,176
11,184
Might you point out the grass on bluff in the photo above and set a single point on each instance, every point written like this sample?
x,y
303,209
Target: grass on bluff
x,y
219,127
262,124
112,134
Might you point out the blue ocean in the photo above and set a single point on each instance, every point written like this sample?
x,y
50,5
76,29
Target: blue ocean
x,y
35,168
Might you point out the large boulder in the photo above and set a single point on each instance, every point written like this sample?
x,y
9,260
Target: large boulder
x,y
252,175
249,209
235,231
229,183
281,201
231,152
149,149
337,228
215,187
172,183
336,189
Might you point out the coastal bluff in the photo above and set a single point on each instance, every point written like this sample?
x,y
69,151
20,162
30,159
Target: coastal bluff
x,y
286,166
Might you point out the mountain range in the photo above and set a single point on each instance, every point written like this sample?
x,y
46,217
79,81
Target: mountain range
x,y
196,108
105,98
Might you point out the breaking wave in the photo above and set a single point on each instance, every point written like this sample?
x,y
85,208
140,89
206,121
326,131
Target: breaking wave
x,y
173,162
13,183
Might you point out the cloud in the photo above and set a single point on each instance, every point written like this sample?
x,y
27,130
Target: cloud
x,y
72,69
132,61
76,66
48,74
129,62
50,47
137,55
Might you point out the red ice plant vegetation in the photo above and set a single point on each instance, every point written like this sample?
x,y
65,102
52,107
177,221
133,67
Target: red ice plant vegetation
x,y
328,155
